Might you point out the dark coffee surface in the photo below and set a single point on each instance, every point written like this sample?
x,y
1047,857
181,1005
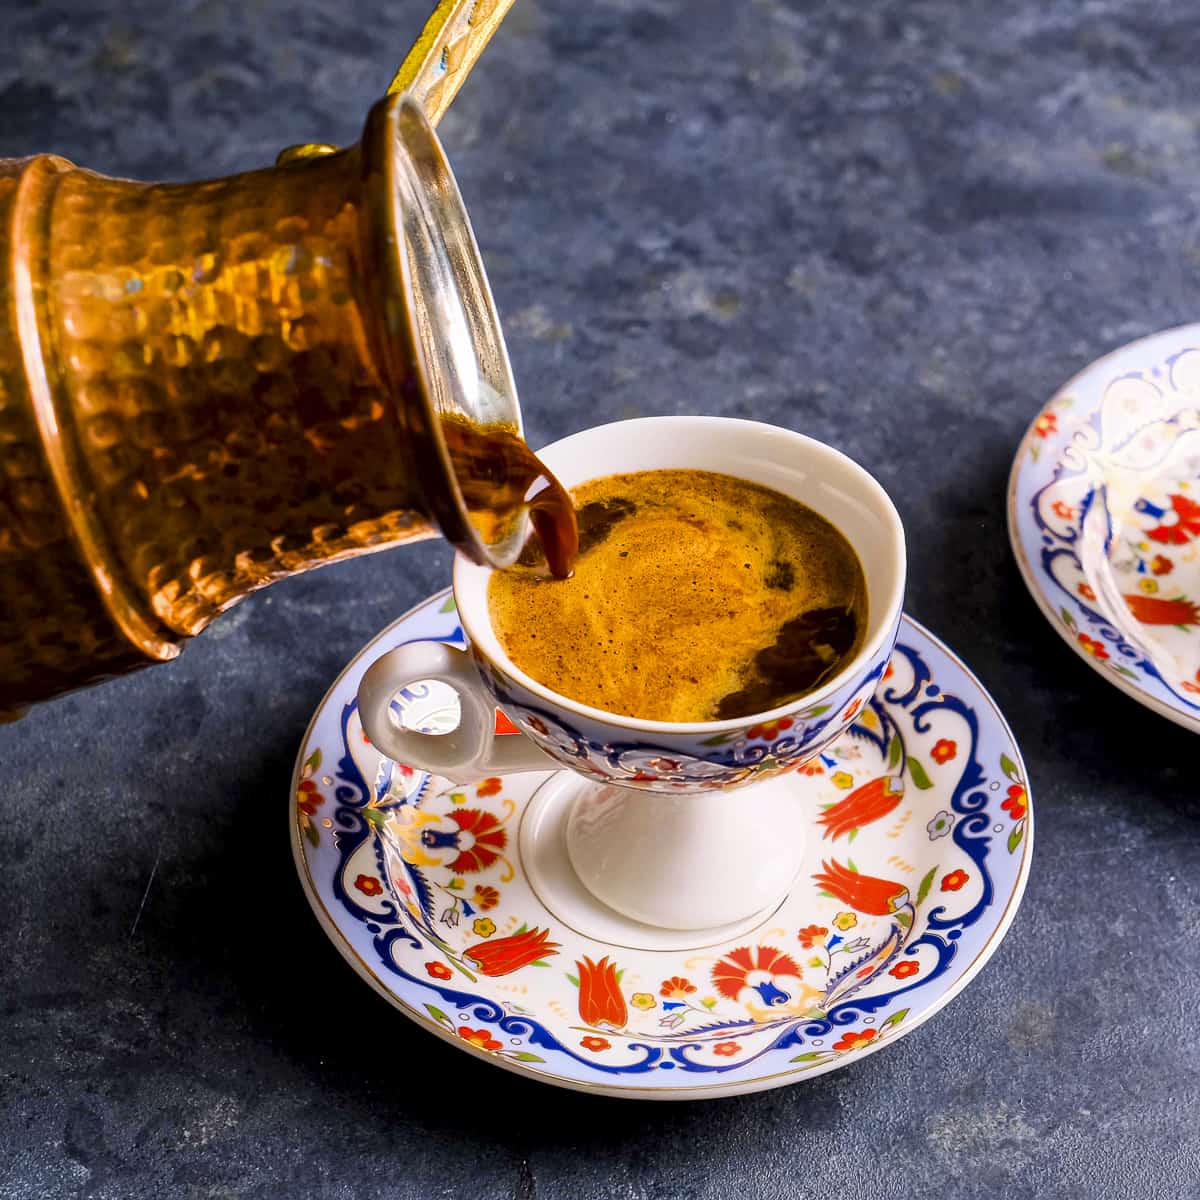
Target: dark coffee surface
x,y
696,596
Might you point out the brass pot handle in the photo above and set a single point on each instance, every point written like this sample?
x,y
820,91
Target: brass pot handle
x,y
440,60
449,46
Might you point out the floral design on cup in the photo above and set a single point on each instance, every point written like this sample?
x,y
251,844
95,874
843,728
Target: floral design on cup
x,y
686,762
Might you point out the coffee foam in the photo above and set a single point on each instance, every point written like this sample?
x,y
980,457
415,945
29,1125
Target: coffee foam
x,y
684,581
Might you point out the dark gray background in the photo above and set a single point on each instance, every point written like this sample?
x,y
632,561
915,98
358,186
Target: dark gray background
x,y
897,226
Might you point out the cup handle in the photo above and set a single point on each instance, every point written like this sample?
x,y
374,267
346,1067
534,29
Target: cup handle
x,y
469,752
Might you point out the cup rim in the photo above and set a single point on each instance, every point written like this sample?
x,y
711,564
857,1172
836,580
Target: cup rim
x,y
883,633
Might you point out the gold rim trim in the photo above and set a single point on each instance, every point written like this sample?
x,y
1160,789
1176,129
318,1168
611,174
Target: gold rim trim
x,y
699,1091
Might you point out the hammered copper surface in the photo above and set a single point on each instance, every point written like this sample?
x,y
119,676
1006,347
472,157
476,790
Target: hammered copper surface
x,y
193,405
223,396
55,630
208,386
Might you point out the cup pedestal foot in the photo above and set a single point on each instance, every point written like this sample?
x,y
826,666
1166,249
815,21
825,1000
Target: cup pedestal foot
x,y
662,871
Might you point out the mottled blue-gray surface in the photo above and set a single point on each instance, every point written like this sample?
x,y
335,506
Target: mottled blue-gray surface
x,y
897,226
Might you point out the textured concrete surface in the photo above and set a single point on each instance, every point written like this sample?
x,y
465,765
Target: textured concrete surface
x,y
897,226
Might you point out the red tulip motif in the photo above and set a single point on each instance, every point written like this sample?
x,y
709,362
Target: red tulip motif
x,y
1151,610
865,893
508,954
864,805
600,998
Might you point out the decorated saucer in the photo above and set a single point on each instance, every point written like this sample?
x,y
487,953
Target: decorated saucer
x,y
914,866
1104,517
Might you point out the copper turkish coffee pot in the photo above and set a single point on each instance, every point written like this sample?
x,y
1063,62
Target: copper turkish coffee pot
x,y
207,387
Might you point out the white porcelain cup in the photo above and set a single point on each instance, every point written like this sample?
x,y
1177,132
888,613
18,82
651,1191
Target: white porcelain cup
x,y
689,855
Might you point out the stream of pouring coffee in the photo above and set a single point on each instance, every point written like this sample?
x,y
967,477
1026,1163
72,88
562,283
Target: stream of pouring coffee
x,y
500,478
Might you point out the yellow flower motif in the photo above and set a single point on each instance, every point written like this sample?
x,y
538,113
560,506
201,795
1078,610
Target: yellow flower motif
x,y
868,718
842,779
709,1001
1149,586
484,926
815,961
642,1000
845,920
406,823
457,882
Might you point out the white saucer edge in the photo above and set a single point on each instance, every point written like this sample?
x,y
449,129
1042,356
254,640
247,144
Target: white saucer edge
x,y
1138,694
702,1091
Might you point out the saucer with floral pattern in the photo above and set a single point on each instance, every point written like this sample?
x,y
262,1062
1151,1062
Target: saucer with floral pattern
x,y
917,855
1104,518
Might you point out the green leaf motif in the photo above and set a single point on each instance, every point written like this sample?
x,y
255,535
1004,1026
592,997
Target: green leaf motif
x,y
1010,768
1014,838
310,832
525,1056
926,884
852,865
573,979
459,967
437,1014
894,751
313,761
903,919
918,773
894,1019
811,1056
853,835
718,739
819,711
447,605
1067,619
620,973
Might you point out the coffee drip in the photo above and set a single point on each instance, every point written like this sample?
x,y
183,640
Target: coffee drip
x,y
501,478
